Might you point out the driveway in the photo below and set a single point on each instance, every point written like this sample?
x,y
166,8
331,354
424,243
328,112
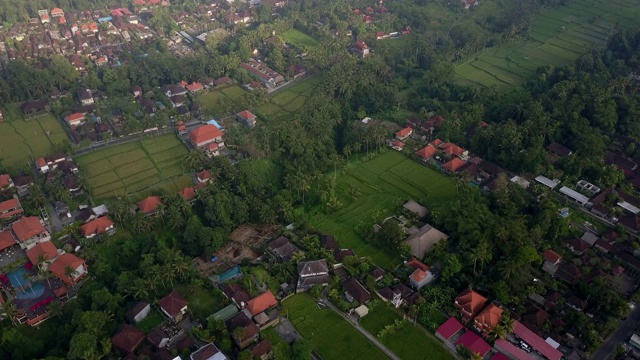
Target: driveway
x,y
621,334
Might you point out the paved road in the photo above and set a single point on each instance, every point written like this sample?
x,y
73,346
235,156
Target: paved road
x,y
364,332
621,334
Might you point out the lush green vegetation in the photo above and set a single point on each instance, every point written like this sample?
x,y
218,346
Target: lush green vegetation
x,y
299,39
212,102
151,321
285,103
331,336
132,167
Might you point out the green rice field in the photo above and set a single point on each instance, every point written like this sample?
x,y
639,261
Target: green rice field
x,y
148,164
384,183
299,39
209,100
557,37
289,101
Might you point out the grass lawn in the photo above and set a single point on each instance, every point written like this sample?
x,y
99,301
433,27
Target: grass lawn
x,y
151,321
332,336
423,346
202,304
289,101
299,39
383,184
153,162
262,275
209,100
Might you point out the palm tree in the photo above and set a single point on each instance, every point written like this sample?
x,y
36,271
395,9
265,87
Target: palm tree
x,y
70,273
297,257
9,310
194,159
142,223
36,197
55,309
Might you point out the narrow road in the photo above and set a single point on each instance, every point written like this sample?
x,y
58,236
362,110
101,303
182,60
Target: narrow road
x,y
362,331
621,334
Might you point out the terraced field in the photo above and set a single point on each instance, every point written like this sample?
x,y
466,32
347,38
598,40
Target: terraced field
x,y
209,100
289,101
557,37
148,164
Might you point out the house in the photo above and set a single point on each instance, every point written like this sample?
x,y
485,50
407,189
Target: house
x,y
57,12
188,194
312,273
204,135
6,182
423,240
84,95
194,87
173,306
74,119
397,145
22,184
282,249
138,312
136,91
568,273
474,343
552,257
354,291
29,231
427,152
43,254
488,319
417,209
576,303
452,149
208,352
212,149
420,278
149,206
96,227
246,118
249,332
174,90
262,350
34,107
535,342
398,294
177,101
577,245
262,302
158,338
222,81
343,254
404,133
203,176
559,150
534,318
225,313
454,165
469,303
235,293
361,49
10,208
267,75
128,339
69,268
448,329
7,241
71,183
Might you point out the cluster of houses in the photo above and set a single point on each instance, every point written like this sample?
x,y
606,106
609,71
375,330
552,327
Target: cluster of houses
x,y
369,13
263,73
60,166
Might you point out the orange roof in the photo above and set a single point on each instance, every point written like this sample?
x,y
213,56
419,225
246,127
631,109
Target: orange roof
x,y
182,128
149,204
41,162
46,249
28,227
398,143
404,132
418,275
74,116
427,152
213,146
6,239
194,87
188,193
183,83
471,301
96,227
417,264
261,303
452,149
454,164
62,262
204,133
436,142
490,316
56,11
203,175
62,20
5,180
9,204
246,114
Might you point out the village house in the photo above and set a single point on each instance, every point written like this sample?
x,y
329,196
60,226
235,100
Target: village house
x,y
29,230
188,194
173,90
43,254
128,339
138,312
203,176
361,49
267,75
397,145
158,338
404,133
150,205
419,278
474,343
488,319
6,182
213,149
75,119
559,150
249,333
282,249
204,135
427,152
98,226
262,350
246,118
84,95
469,303
173,306
312,273
399,295
194,87
235,293
222,81
354,291
449,329
261,303
69,268
208,352
10,208
422,240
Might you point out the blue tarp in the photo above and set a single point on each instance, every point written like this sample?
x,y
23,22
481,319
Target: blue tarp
x,y
214,123
105,19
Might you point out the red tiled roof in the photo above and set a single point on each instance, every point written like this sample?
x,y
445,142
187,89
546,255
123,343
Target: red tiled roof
x,y
213,146
471,301
490,316
427,152
56,11
512,350
46,249
398,144
62,262
6,239
62,20
28,227
173,303
204,133
418,275
128,339
262,348
41,162
436,142
5,180
449,328
149,204
454,164
404,132
452,149
417,264
552,256
74,117
474,343
10,204
97,226
536,342
203,175
261,303
361,45
182,128
196,86
188,193
246,114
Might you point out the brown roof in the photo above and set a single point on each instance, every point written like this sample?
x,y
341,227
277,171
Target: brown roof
x,y
262,348
149,204
356,290
471,301
28,227
173,303
558,149
535,316
578,244
241,320
261,303
344,253
46,250
552,256
128,339
156,336
329,242
235,292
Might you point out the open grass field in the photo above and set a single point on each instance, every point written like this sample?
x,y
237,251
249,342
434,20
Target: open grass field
x,y
423,346
19,138
557,37
289,101
203,303
383,183
299,39
209,101
150,163
330,334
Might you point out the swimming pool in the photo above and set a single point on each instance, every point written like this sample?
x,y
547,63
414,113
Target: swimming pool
x,y
18,278
23,286
36,290
232,273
